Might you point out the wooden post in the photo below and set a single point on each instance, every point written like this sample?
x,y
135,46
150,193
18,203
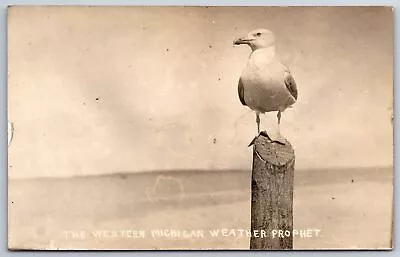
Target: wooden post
x,y
272,194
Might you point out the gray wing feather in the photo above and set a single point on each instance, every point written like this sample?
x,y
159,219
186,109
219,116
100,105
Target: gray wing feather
x,y
241,92
291,84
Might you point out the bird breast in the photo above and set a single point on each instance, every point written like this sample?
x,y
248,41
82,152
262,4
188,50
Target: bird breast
x,y
264,86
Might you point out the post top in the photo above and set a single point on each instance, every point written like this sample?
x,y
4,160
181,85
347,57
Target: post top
x,y
273,152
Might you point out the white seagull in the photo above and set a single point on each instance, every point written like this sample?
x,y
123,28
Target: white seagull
x,y
266,85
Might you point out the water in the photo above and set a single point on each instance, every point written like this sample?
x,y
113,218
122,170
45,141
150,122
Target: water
x,y
352,208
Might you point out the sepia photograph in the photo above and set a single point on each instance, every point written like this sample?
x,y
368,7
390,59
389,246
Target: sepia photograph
x,y
200,128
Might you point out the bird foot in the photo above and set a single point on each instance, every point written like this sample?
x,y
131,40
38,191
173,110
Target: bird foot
x,y
279,139
252,141
262,133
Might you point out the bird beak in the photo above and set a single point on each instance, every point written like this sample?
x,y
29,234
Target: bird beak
x,y
241,41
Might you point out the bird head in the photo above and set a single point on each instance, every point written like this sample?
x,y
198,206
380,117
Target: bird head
x,y
256,39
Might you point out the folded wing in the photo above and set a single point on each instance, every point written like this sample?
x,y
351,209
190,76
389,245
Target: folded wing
x,y
291,84
241,92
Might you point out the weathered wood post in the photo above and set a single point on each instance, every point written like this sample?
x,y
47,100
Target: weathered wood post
x,y
272,194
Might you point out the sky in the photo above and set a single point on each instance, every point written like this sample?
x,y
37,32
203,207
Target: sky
x,y
95,90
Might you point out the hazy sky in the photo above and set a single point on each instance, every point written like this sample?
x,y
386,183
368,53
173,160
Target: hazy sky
x,y
166,83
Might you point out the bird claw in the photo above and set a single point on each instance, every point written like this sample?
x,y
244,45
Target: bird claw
x,y
265,134
252,141
279,140
262,133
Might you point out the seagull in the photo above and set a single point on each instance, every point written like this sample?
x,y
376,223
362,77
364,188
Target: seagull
x,y
266,85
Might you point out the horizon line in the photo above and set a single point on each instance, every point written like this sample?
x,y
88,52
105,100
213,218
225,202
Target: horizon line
x,y
155,171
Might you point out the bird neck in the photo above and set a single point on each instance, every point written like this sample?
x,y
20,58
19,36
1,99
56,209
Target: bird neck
x,y
263,55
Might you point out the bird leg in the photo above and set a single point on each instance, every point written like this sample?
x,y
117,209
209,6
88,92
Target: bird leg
x,y
280,139
258,129
279,121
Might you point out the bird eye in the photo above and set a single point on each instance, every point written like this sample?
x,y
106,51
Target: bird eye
x,y
258,34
